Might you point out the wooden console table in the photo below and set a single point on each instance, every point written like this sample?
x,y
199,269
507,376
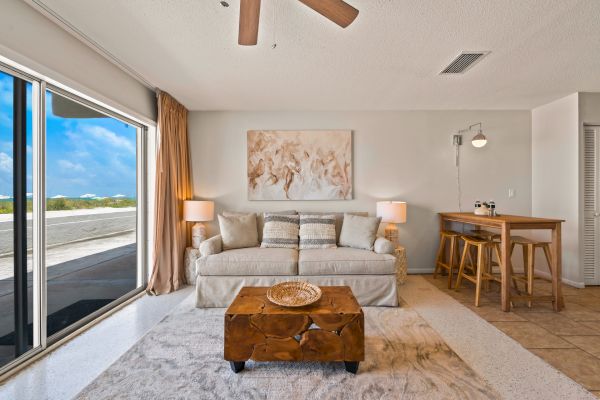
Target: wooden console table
x,y
506,223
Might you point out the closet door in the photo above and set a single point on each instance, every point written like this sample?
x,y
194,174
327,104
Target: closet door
x,y
591,209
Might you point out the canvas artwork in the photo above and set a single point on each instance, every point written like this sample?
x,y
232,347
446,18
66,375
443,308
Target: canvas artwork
x,y
300,165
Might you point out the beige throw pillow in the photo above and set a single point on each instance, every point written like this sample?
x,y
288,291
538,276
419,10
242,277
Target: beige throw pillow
x,y
359,232
238,231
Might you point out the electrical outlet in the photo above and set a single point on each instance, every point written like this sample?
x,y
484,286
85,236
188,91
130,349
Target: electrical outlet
x,y
511,193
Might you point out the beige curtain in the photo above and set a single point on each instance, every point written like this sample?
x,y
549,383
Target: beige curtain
x,y
173,186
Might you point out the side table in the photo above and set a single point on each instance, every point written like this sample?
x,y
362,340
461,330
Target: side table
x,y
191,255
401,265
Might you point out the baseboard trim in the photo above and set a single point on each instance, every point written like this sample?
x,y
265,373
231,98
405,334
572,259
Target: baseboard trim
x,y
543,274
418,271
546,275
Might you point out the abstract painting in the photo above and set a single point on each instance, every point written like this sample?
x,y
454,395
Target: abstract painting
x,y
300,165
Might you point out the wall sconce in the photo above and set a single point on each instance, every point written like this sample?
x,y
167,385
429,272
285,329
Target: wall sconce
x,y
478,141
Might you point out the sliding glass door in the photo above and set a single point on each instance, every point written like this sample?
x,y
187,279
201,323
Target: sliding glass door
x,y
91,210
72,213
16,273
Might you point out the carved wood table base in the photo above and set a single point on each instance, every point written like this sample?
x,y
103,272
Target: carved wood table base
x,y
331,329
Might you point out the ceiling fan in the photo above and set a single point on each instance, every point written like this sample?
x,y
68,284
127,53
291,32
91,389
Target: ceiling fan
x,y
337,11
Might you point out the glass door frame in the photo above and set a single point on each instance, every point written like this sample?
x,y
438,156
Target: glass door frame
x,y
42,343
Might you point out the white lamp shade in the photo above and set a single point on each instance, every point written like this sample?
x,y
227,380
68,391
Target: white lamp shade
x,y
479,140
392,211
198,210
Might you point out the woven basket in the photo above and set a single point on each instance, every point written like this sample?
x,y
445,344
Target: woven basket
x,y
294,294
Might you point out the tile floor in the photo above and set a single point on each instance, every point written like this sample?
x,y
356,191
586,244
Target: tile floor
x,y
569,340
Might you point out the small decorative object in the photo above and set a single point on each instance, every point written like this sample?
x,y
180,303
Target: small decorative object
x,y
294,294
492,208
198,211
299,165
482,209
392,212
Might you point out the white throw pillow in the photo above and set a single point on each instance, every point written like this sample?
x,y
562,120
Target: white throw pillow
x,y
317,231
238,231
280,231
359,232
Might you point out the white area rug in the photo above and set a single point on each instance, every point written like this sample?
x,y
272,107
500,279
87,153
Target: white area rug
x,y
182,358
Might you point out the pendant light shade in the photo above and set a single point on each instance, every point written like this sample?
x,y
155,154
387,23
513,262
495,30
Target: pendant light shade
x,y
479,140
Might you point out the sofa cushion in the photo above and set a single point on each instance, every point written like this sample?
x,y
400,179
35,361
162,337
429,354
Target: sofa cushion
x,y
280,231
250,261
317,231
345,261
359,232
238,231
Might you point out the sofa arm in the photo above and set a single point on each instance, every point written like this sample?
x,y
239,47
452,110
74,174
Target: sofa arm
x,y
383,246
211,246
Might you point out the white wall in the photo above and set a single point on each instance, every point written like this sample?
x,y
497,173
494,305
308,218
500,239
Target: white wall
x,y
32,40
557,170
404,155
555,174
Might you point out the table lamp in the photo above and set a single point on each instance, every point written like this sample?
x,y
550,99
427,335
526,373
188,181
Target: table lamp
x,y
198,211
392,212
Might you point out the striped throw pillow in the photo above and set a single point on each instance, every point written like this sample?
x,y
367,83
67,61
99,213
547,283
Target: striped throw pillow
x,y
317,231
280,231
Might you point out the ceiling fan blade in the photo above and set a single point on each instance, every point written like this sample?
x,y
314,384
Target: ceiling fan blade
x,y
337,11
249,16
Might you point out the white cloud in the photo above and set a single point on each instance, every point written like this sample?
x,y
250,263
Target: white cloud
x,y
68,165
116,196
4,197
111,138
29,194
6,94
58,196
6,162
88,196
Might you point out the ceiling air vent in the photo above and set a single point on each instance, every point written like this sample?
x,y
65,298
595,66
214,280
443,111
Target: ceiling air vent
x,y
463,62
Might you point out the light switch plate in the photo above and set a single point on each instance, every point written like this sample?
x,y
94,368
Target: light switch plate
x,y
511,193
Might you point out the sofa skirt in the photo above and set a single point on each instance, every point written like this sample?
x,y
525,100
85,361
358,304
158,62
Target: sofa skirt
x,y
369,290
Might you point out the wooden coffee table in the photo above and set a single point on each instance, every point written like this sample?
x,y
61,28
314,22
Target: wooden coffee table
x,y
331,329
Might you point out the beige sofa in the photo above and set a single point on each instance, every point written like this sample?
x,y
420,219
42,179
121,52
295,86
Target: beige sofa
x,y
371,275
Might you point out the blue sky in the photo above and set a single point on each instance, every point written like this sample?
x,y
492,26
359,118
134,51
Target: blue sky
x,y
84,157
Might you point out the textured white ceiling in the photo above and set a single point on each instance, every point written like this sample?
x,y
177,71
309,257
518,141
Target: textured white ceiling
x,y
389,58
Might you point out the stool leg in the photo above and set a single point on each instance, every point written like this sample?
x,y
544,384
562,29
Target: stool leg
x,y
439,256
526,257
461,268
530,266
453,244
481,260
548,255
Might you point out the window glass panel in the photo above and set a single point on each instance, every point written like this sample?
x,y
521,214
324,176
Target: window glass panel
x,y
91,174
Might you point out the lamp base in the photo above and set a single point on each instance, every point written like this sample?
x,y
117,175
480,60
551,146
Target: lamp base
x,y
198,234
391,233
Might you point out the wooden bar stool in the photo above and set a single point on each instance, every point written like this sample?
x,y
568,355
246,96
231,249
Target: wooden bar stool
x,y
450,263
484,234
489,236
528,246
479,269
